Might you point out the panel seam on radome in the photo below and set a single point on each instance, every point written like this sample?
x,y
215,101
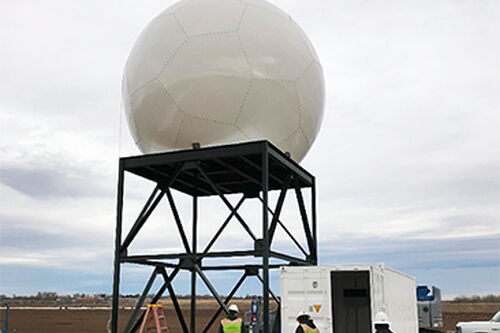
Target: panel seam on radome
x,y
142,86
305,135
182,6
245,54
318,63
305,70
171,98
227,32
172,56
288,137
241,18
207,119
239,129
180,24
271,79
244,101
304,37
179,130
270,11
297,95
250,82
186,114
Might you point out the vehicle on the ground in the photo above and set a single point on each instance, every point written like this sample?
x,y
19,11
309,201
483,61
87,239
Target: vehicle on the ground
x,y
492,326
430,316
346,298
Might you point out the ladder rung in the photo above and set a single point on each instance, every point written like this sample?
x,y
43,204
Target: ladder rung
x,y
156,314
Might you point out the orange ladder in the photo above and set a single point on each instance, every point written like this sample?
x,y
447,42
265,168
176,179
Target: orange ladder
x,y
154,320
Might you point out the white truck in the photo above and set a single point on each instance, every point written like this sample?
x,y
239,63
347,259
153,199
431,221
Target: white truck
x,y
346,298
492,326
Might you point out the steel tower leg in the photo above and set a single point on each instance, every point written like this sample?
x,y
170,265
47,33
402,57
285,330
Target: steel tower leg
x,y
118,240
265,239
194,248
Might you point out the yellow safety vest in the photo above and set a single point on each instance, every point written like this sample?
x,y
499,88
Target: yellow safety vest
x,y
308,329
231,326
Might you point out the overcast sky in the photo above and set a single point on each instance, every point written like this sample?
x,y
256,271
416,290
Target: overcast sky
x,y
407,160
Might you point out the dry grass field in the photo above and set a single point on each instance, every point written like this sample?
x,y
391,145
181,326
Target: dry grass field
x,y
455,312
94,321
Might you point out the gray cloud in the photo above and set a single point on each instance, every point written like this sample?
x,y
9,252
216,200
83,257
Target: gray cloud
x,y
410,252
53,176
24,235
410,134
46,183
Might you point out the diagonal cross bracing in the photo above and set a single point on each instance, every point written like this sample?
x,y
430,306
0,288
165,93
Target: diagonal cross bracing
x,y
228,204
223,226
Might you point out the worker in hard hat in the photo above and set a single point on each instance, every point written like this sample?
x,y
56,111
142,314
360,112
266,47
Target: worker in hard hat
x,y
232,323
382,323
306,323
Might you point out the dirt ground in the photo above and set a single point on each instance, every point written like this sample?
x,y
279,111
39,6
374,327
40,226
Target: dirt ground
x,y
455,312
94,321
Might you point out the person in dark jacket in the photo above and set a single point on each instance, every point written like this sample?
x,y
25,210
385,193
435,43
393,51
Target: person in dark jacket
x,y
382,323
232,323
306,323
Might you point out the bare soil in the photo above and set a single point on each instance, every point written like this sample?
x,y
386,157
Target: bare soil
x,y
94,321
455,312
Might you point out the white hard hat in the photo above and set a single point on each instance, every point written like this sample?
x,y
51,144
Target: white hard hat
x,y
303,313
381,319
234,307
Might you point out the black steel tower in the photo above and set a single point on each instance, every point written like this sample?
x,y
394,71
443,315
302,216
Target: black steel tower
x,y
250,170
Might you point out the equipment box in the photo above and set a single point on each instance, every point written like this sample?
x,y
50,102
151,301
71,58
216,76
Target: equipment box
x,y
346,298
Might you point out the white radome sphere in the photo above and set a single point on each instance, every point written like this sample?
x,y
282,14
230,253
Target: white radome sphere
x,y
223,71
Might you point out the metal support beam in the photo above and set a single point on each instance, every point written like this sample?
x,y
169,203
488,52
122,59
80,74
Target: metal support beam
x,y
211,288
314,252
157,296
226,302
259,168
294,240
236,267
175,302
245,175
290,259
303,214
228,204
221,254
223,226
277,211
194,246
265,239
177,219
133,317
276,299
140,222
148,202
118,239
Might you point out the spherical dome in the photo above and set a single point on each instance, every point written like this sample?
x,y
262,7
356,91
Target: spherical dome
x,y
223,71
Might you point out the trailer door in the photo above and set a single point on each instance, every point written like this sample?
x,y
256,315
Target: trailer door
x,y
351,301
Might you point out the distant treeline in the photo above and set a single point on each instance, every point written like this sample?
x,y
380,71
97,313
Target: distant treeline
x,y
53,296
477,299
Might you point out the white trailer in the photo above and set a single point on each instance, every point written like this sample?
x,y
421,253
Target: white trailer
x,y
346,298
